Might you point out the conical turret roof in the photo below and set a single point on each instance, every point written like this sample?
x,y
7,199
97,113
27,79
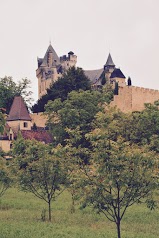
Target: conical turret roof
x,y
109,61
18,110
55,56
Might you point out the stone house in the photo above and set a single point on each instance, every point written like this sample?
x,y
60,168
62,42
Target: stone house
x,y
19,120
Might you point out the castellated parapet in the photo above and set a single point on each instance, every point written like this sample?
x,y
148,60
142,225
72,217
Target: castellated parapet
x,y
131,98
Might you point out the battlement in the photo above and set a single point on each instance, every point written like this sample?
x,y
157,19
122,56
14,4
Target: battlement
x,y
132,98
144,90
71,56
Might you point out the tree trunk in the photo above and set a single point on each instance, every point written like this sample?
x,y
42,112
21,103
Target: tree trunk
x,y
49,202
73,203
118,229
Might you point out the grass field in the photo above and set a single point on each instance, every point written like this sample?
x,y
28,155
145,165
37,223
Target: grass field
x,y
20,217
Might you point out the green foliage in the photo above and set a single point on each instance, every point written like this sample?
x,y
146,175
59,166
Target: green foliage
x,y
77,111
73,79
103,78
5,179
2,122
39,170
144,125
119,173
9,89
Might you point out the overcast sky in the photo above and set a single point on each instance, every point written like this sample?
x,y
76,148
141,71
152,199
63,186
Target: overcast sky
x,y
128,29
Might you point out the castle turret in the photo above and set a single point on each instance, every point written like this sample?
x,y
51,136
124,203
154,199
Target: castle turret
x,y
51,67
109,67
109,64
47,70
68,61
19,118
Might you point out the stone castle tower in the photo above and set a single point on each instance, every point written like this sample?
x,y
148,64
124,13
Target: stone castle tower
x,y
51,67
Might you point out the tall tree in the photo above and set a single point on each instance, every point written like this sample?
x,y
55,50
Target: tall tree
x,y
144,124
9,89
77,111
73,79
2,122
119,173
5,178
39,170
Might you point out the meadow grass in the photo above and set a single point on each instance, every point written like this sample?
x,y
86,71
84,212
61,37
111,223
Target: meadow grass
x,y
20,217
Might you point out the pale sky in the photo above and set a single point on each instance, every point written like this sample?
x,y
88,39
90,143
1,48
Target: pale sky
x,y
128,29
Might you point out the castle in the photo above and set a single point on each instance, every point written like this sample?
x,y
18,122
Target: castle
x,y
130,98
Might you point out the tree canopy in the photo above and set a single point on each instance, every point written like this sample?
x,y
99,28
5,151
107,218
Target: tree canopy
x,y
2,122
5,175
120,172
78,110
39,170
9,89
72,79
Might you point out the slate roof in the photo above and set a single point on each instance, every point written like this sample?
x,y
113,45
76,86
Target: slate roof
x,y
40,135
40,60
117,74
93,75
18,110
109,61
55,56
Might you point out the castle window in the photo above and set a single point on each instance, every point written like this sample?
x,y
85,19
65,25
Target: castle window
x,y
25,124
11,137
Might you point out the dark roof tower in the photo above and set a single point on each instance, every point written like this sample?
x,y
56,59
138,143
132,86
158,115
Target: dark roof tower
x,y
44,61
18,110
54,55
117,73
109,61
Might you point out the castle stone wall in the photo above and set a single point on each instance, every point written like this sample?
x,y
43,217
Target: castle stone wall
x,y
131,98
39,119
5,145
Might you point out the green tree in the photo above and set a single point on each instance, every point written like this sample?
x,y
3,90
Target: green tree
x,y
119,173
9,89
5,179
39,170
2,122
144,125
77,111
73,79
103,78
